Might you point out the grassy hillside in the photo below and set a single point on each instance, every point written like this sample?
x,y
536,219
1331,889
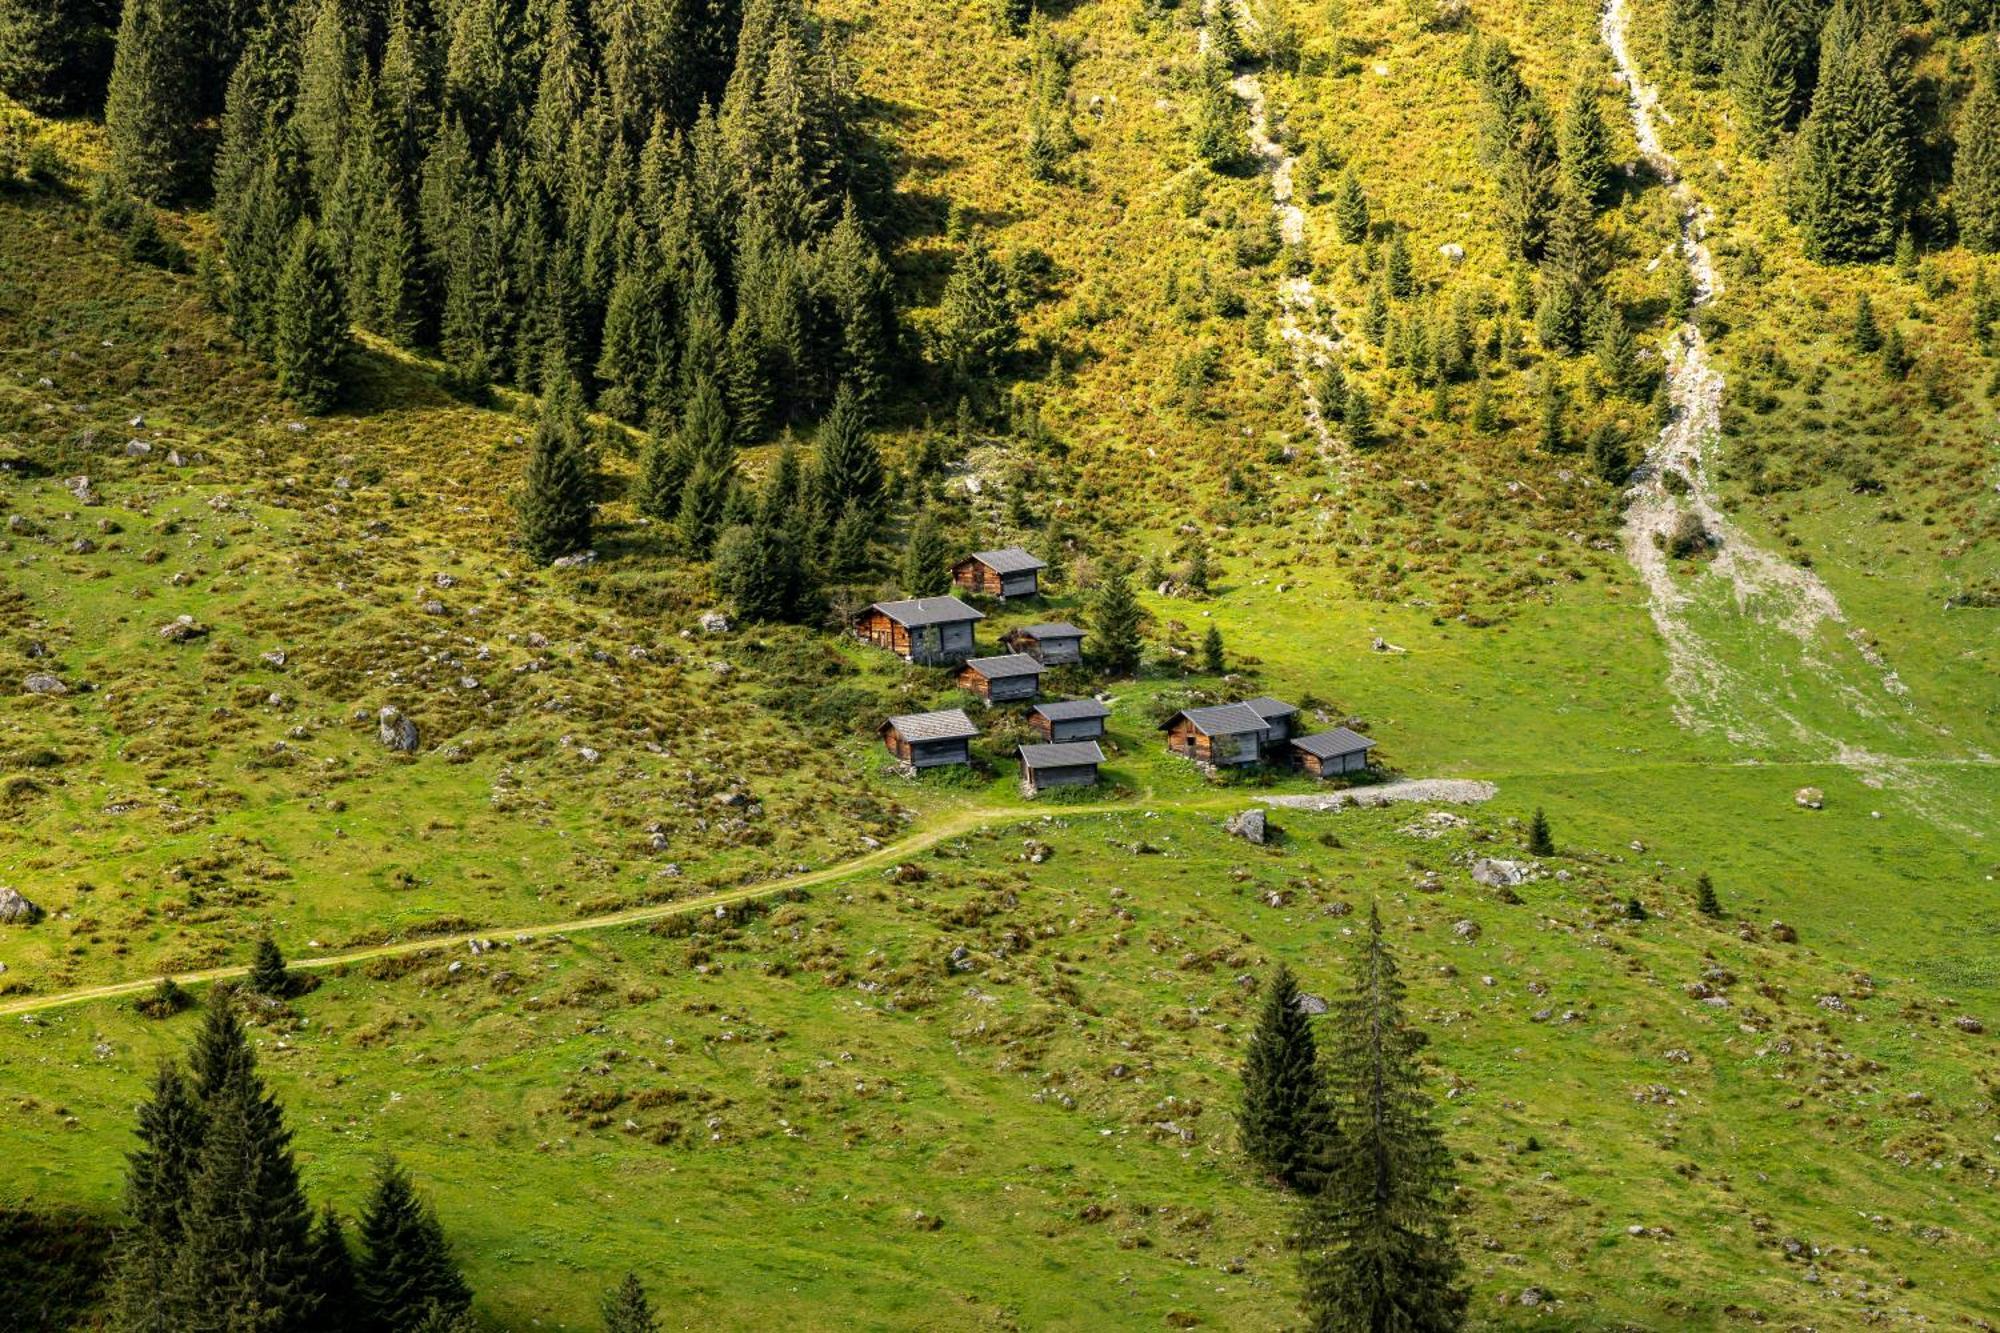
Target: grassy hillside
x,y
815,1109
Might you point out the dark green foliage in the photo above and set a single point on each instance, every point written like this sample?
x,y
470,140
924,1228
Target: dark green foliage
x,y
151,104
1896,360
268,976
1852,166
331,1269
848,466
1584,149
1286,1121
1866,334
761,569
1569,274
847,547
1609,457
165,1000
1553,437
663,469
310,335
626,1309
1197,571
1975,167
1330,392
55,55
1115,622
1636,910
1705,900
145,243
1211,652
157,1180
553,505
977,326
1375,1248
1530,181
1359,418
1540,843
1764,68
1221,124
1691,36
1350,209
926,559
405,1272
1398,272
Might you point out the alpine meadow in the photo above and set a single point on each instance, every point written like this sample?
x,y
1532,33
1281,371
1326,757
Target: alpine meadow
x,y
999,664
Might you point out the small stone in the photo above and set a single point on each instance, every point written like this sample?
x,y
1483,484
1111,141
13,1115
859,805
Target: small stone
x,y
183,629
1809,798
16,910
1466,930
713,622
41,682
396,731
580,560
1967,1023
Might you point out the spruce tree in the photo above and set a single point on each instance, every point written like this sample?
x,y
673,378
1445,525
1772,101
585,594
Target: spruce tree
x,y
1212,660
626,1309
1375,1247
1852,165
977,326
847,549
1763,71
1399,273
1569,276
1584,149
55,55
553,504
1975,165
1691,38
1350,209
1705,900
926,559
1530,183
1540,843
848,467
1286,1120
1359,419
1115,620
310,336
405,1271
1867,335
663,470
268,976
1330,391
332,1276
151,106
157,1180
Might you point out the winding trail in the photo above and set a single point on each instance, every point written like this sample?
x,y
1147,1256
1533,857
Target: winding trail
x,y
1774,599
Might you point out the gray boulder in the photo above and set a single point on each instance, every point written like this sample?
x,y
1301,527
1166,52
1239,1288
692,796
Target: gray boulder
x,y
1498,874
396,731
1250,826
16,910
41,682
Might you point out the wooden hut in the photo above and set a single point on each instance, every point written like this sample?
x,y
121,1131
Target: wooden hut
x,y
1010,572
1070,719
1327,754
1279,717
1072,764
1051,645
925,630
930,740
1014,678
1225,735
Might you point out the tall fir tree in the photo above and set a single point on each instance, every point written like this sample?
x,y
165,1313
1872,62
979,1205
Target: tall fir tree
x,y
1530,183
1975,164
55,55
405,1271
1764,66
268,975
1350,209
1583,150
847,467
977,327
1375,1246
626,1308
1690,36
1569,271
310,337
554,500
1852,165
331,1266
151,106
926,559
1286,1120
158,1177
1117,619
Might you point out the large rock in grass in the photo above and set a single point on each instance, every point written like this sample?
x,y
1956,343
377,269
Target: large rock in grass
x,y
1809,798
1250,826
16,910
1498,874
396,731
41,682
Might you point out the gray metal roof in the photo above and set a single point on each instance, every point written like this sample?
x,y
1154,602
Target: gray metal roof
x,y
1327,744
1265,706
1054,631
1008,664
1222,720
949,724
1009,560
916,612
1072,710
1064,755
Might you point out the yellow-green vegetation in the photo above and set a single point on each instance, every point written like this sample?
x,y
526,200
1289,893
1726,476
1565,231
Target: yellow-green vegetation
x,y
928,1054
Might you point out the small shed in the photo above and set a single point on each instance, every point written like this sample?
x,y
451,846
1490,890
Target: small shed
x,y
930,740
1010,572
1278,716
1002,680
1070,719
925,630
1073,764
1051,645
1224,735
1327,754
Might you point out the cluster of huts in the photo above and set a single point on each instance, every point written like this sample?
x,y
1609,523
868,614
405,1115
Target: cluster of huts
x,y
939,631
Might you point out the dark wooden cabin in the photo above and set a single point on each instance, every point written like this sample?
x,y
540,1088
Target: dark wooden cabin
x,y
1070,719
1279,716
1073,764
1328,754
924,630
1225,735
930,740
1014,678
1052,645
1011,572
